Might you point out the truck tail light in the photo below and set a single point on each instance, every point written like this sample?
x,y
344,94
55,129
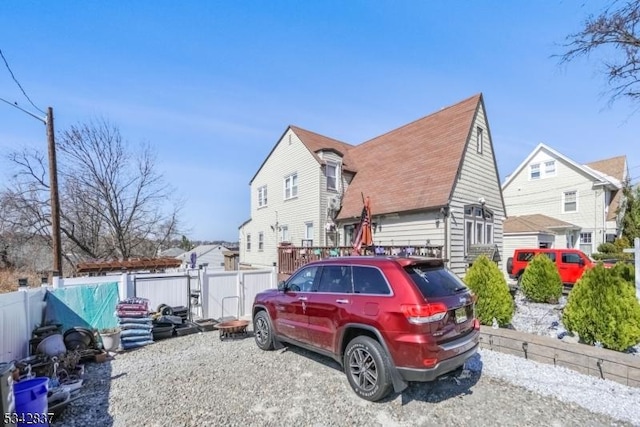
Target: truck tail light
x,y
424,313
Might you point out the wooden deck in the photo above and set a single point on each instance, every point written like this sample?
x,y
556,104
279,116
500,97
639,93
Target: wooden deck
x,y
290,258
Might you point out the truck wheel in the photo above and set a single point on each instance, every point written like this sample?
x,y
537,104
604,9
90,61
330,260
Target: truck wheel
x,y
367,367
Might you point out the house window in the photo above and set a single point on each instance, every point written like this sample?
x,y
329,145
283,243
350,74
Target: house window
x,y
291,186
260,241
331,170
535,171
284,233
550,167
570,201
479,232
468,236
308,233
586,244
248,242
480,140
262,196
478,226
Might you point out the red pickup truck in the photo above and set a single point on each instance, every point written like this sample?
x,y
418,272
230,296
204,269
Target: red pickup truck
x,y
571,263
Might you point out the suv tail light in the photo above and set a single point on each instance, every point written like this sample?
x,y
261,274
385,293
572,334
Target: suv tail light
x,y
424,313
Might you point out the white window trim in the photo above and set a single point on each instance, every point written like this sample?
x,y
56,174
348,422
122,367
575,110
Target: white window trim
x,y
260,241
290,178
531,178
469,241
284,233
564,194
555,169
262,196
336,177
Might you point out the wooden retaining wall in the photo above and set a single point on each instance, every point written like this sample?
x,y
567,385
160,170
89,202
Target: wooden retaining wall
x,y
599,362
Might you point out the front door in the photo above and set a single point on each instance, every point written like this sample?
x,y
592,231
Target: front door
x,y
291,319
330,303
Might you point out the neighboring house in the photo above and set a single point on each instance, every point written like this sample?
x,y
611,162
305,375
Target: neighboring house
x,y
553,201
172,252
210,255
433,181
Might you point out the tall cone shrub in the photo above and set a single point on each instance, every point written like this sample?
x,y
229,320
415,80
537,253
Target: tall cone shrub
x,y
602,307
486,280
541,281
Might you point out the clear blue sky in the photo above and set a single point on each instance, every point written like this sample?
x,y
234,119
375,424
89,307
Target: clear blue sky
x,y
213,84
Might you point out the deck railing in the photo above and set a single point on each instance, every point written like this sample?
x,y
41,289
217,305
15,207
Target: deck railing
x,y
291,258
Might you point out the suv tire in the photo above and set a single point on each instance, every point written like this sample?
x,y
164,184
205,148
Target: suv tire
x,y
262,331
367,367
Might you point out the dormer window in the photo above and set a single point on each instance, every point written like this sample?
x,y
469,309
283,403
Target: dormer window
x,y
331,171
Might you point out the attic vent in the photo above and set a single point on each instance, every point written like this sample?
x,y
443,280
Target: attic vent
x,y
289,139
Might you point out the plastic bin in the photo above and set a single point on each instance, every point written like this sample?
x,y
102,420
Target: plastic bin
x,y
31,401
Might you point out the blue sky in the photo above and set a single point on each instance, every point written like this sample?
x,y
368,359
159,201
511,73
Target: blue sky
x,y
213,84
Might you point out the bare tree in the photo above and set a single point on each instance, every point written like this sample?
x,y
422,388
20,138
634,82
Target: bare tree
x,y
613,34
114,203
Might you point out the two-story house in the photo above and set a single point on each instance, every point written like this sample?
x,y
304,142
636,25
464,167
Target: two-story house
x,y
553,201
433,181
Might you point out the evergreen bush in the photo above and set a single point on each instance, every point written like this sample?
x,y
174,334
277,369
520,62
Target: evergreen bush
x,y
541,281
607,248
488,283
602,307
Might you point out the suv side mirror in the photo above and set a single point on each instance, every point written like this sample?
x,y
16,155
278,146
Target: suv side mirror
x,y
282,286
581,262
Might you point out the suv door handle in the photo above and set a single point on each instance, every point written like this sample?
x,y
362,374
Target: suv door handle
x,y
302,298
342,301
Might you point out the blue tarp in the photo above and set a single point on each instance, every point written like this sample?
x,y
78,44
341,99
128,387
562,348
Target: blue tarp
x,y
88,306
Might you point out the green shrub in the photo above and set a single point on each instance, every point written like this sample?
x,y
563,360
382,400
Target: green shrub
x,y
621,244
626,271
541,281
602,307
607,248
486,280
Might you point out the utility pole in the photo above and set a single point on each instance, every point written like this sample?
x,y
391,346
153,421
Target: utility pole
x,y
55,201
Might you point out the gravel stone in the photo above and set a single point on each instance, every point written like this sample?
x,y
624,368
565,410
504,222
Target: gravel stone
x,y
198,380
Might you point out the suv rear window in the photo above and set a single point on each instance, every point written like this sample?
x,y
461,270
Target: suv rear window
x,y
435,282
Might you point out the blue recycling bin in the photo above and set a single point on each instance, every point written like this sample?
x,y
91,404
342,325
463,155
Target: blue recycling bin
x,y
31,401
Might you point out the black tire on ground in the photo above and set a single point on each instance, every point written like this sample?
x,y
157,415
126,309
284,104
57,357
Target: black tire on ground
x,y
262,331
367,367
509,264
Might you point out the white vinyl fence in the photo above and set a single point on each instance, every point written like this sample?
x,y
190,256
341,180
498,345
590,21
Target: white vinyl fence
x,y
22,311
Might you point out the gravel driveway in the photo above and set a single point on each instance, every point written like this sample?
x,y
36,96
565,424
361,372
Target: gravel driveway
x,y
198,380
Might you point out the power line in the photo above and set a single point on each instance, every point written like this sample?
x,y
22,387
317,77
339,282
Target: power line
x,y
15,105
18,83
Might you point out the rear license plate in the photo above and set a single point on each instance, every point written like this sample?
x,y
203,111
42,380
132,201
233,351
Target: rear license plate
x,y
460,314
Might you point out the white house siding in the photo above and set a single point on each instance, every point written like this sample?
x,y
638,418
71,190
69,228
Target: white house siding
x,y
289,156
408,230
524,196
478,178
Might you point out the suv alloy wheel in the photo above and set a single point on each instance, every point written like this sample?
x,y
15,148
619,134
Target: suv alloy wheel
x,y
367,368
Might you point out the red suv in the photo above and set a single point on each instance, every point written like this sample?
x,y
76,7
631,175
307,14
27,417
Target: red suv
x,y
571,263
386,320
